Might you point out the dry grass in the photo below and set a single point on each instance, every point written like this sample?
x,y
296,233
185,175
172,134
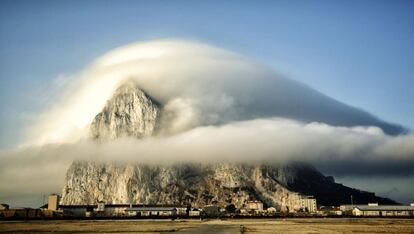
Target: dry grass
x,y
331,226
90,226
344,225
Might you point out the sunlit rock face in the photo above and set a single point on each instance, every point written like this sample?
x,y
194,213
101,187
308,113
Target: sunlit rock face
x,y
279,186
129,113
195,184
133,113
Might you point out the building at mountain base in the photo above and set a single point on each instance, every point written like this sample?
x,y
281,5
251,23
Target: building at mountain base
x,y
308,204
254,205
151,211
383,210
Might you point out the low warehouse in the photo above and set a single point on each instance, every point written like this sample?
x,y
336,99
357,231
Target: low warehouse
x,y
383,210
152,211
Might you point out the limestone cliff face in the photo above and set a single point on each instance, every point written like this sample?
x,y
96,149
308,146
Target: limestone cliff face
x,y
202,184
195,184
129,113
133,113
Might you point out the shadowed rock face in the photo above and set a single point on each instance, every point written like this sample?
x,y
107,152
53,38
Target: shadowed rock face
x,y
129,113
306,179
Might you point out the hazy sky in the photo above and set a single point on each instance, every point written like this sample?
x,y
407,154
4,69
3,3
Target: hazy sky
x,y
359,52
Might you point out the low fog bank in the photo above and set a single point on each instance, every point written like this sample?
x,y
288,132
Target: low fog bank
x,y
339,151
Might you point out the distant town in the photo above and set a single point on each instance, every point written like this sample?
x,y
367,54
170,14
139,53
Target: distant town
x,y
251,209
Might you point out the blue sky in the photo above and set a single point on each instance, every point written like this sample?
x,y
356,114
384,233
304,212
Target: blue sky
x,y
359,52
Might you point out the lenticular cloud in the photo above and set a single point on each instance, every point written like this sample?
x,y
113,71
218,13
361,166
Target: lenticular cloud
x,y
197,84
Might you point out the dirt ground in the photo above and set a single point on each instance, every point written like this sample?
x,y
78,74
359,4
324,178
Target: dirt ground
x,y
342,225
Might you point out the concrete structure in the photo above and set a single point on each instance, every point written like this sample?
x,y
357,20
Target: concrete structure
x,y
308,204
347,207
77,210
152,211
194,213
100,207
383,210
181,210
53,202
112,210
329,211
254,205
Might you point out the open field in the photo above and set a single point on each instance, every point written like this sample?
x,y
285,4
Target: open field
x,y
344,225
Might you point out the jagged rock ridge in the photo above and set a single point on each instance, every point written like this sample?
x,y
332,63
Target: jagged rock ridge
x,y
129,113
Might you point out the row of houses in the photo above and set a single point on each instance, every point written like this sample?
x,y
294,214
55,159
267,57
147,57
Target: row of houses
x,y
24,212
368,210
306,206
251,208
118,210
304,203
123,210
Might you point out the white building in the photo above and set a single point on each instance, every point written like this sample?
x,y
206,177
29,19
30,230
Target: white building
x,y
374,209
347,207
194,213
254,205
152,211
308,204
181,210
100,207
53,202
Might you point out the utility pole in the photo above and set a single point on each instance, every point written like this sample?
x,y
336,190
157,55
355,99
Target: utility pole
x,y
352,201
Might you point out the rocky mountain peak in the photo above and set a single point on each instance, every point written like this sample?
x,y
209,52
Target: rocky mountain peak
x,y
132,113
129,113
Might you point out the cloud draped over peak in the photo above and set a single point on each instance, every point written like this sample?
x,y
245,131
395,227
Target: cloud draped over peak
x,y
198,84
